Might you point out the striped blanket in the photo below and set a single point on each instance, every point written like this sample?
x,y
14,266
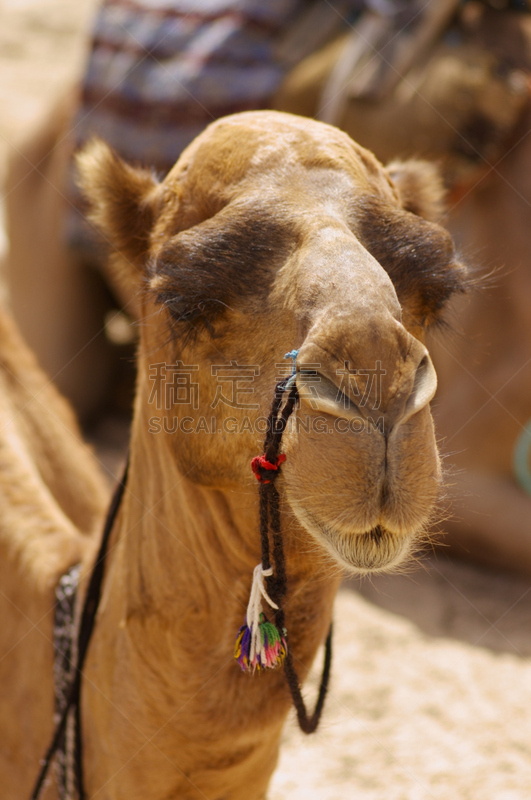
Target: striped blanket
x,y
160,70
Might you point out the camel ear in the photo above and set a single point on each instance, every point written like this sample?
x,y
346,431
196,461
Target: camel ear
x,y
122,201
420,187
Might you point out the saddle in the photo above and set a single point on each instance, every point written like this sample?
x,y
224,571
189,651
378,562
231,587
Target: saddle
x,y
445,81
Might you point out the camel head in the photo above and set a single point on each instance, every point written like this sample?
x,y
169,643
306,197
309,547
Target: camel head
x,y
273,233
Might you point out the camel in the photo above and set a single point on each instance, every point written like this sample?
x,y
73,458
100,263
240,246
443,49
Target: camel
x,y
271,233
488,516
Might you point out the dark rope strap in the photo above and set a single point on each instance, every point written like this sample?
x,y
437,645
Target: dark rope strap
x,y
269,510
308,724
86,626
64,648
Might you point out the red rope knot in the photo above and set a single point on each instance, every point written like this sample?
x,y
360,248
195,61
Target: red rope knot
x,y
263,468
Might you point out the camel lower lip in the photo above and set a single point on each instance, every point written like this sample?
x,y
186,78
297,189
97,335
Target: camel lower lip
x,y
373,551
376,550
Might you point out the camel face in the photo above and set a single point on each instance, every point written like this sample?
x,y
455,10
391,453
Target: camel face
x,y
274,232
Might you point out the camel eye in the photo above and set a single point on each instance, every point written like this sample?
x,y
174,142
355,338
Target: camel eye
x,y
418,256
219,265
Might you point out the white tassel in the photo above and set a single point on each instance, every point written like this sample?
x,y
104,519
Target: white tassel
x,y
254,609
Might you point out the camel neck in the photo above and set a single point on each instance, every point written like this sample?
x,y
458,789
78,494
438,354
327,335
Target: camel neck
x,y
175,538
176,591
177,527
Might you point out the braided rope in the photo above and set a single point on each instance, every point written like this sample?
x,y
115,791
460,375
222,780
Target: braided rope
x,y
269,511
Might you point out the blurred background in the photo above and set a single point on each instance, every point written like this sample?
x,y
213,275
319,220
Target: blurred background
x,y
432,675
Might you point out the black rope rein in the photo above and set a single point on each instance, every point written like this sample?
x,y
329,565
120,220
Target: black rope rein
x,y
86,626
277,583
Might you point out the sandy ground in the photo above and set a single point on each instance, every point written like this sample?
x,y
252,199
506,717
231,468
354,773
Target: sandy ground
x,y
430,696
431,690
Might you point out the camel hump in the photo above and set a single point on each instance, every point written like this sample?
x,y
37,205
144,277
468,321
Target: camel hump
x,y
52,497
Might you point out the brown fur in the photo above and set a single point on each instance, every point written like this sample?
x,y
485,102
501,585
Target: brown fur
x,y
420,187
125,194
254,248
418,256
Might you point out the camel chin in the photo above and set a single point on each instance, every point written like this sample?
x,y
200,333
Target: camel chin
x,y
359,553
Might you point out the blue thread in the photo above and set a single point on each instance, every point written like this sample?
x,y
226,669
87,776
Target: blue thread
x,y
293,355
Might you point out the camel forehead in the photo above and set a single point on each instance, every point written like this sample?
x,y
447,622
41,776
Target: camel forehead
x,y
259,145
263,194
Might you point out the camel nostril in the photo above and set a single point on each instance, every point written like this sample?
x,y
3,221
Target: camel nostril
x,y
424,387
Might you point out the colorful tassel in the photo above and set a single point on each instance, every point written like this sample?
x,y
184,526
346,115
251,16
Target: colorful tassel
x,y
259,644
